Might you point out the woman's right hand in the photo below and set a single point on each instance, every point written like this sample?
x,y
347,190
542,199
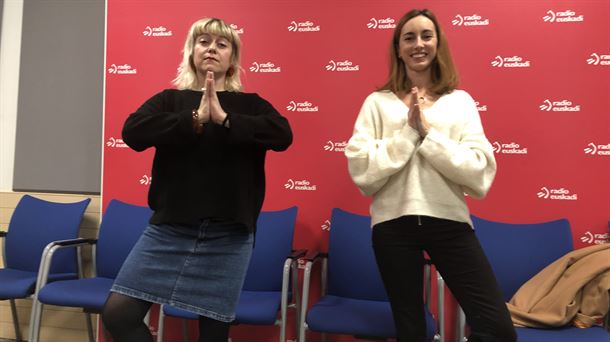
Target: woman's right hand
x,y
414,111
204,105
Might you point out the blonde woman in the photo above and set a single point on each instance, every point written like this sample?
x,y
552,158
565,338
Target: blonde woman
x,y
208,185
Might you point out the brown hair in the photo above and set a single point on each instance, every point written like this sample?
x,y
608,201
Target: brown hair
x,y
444,74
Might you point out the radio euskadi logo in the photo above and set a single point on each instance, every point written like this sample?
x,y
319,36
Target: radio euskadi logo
x,y
469,20
237,29
508,148
159,31
265,67
595,238
116,143
344,66
381,23
597,59
326,225
335,146
559,106
304,26
145,180
304,106
299,185
480,107
556,194
597,149
122,69
567,16
510,62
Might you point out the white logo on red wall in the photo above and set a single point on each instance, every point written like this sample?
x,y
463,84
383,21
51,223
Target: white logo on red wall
x,y
237,29
335,146
510,148
265,67
305,26
510,62
304,106
556,194
146,180
344,66
567,16
381,23
300,185
116,143
595,239
597,149
469,20
559,106
597,59
159,31
326,225
122,69
480,107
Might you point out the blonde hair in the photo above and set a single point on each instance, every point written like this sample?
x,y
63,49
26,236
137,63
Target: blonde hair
x,y
187,72
444,74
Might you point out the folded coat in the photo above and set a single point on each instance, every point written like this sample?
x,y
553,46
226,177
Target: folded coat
x,y
573,289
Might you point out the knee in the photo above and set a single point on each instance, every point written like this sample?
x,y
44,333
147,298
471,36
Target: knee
x,y
115,317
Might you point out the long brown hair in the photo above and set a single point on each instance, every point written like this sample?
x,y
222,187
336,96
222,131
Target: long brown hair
x,y
444,74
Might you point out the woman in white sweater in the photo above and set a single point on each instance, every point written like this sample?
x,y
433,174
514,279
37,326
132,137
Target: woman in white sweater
x,y
418,147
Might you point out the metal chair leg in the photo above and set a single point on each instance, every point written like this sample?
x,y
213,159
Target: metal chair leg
x,y
89,327
35,320
161,324
15,320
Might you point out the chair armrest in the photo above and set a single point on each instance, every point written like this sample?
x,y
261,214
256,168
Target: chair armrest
x,y
47,257
2,233
314,255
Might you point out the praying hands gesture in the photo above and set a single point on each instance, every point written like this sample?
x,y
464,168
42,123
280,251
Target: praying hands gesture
x,y
209,107
416,118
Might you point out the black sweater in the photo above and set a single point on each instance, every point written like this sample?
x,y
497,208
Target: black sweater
x,y
218,174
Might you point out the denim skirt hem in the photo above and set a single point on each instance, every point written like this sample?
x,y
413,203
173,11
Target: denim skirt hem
x,y
200,269
159,300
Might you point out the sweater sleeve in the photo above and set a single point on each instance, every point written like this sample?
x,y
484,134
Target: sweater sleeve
x,y
265,128
468,161
154,124
372,157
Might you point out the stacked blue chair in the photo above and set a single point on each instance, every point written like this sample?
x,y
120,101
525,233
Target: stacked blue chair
x,y
121,226
354,301
266,291
34,225
517,252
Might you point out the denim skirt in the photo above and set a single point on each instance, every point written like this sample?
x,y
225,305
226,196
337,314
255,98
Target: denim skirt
x,y
200,269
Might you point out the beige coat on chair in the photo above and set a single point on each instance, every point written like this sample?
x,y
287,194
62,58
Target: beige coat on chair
x,y
574,289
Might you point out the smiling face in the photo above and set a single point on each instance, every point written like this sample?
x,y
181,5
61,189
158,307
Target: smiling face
x,y
418,44
212,53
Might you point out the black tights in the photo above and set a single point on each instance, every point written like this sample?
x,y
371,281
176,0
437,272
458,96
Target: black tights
x,y
123,317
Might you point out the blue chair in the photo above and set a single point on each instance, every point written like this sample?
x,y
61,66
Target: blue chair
x,y
517,252
266,288
354,300
34,225
121,226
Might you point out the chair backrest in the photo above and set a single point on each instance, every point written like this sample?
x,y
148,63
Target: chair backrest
x,y
36,223
122,225
273,244
352,268
517,252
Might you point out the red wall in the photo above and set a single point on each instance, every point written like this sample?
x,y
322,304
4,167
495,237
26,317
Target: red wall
x,y
540,71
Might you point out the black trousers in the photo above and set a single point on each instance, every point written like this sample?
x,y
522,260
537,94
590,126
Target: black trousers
x,y
455,251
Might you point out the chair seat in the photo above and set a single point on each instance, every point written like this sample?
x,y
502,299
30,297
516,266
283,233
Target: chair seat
x,y
565,334
254,307
21,284
89,293
340,315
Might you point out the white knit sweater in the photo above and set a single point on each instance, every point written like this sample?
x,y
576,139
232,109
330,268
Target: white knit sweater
x,y
407,175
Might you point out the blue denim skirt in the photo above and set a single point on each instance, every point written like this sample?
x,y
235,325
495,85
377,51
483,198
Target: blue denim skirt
x,y
200,269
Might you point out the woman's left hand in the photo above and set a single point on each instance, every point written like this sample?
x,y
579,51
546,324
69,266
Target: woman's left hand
x,y
416,117
217,114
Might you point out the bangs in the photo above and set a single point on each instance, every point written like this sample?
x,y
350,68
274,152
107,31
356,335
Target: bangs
x,y
215,27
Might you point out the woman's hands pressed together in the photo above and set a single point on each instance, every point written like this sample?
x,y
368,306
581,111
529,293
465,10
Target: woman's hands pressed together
x,y
209,107
416,118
